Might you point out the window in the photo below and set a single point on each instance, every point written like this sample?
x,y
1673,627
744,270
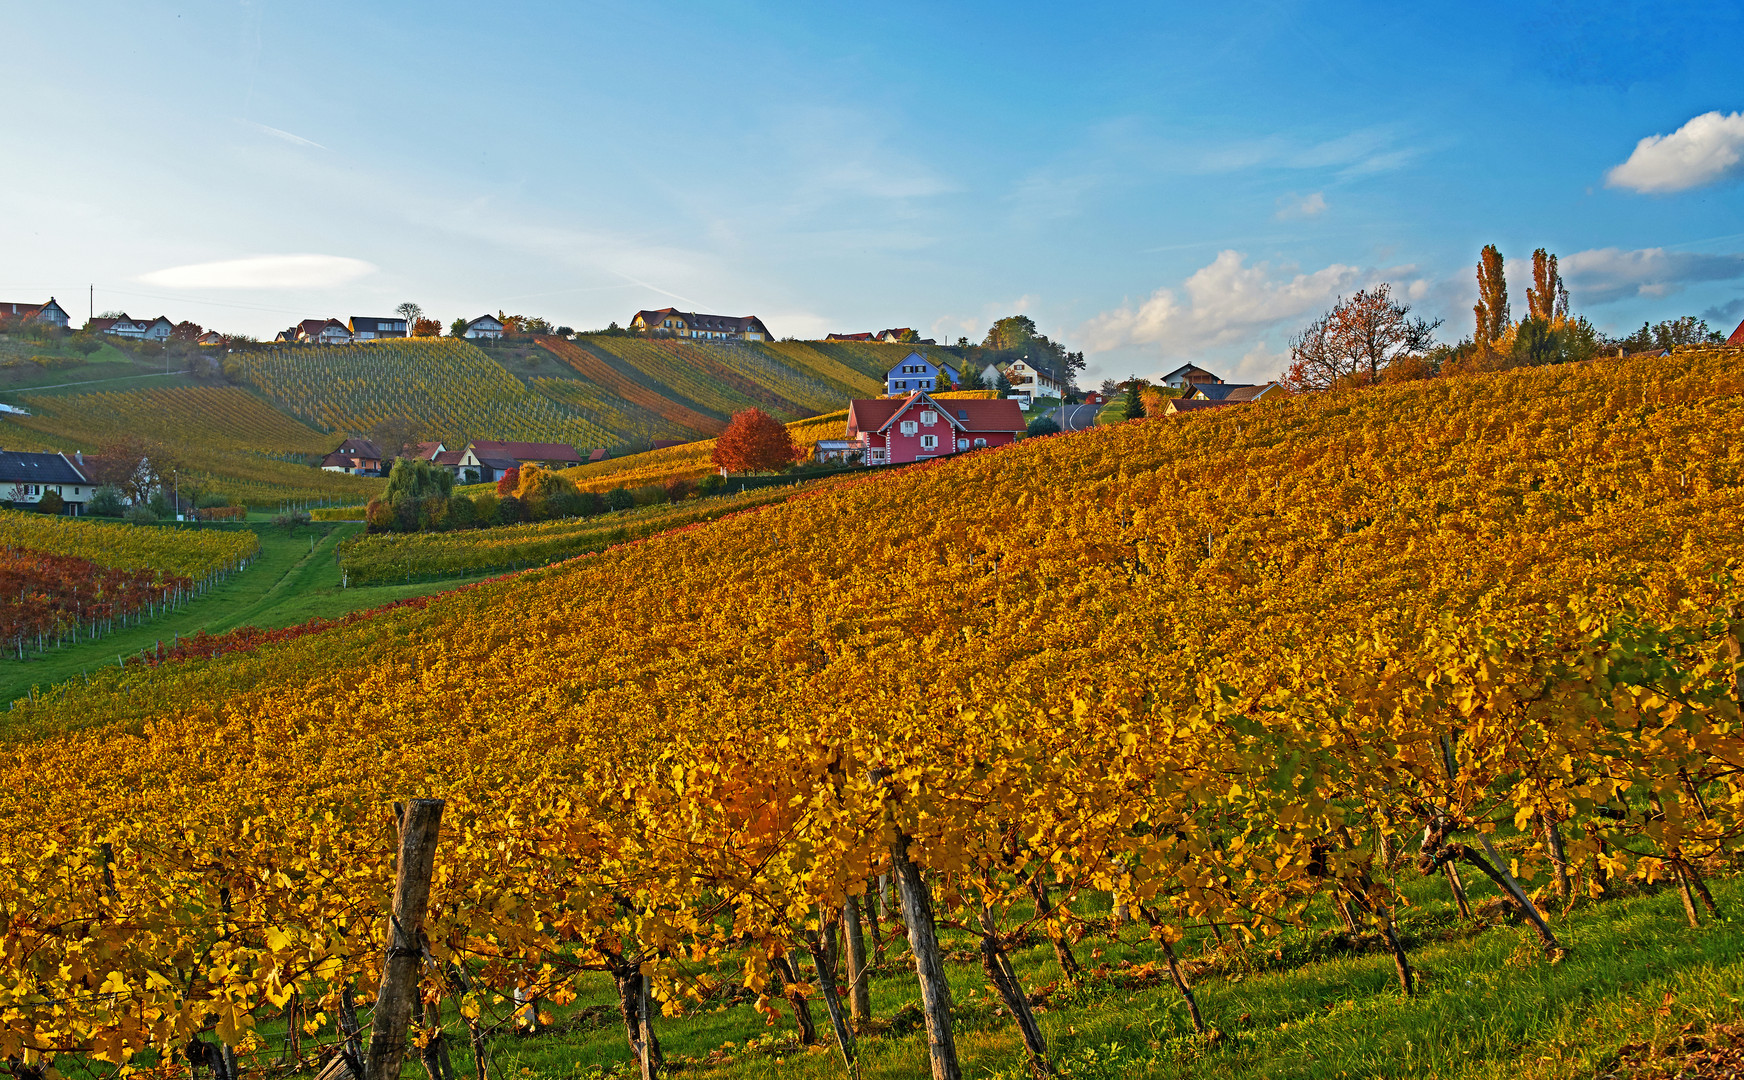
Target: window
x,y
929,442
909,427
962,414
928,417
962,444
980,444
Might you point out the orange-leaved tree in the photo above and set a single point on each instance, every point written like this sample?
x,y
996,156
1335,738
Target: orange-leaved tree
x,y
755,442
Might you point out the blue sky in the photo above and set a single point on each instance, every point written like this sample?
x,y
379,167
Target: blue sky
x,y
1152,183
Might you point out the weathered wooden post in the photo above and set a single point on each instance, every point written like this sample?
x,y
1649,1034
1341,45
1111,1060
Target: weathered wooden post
x,y
923,941
399,983
859,979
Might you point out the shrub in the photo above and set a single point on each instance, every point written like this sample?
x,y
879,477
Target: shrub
x,y
462,512
619,499
648,494
1042,425
484,508
51,503
711,484
139,514
211,499
510,480
106,502
378,516
509,511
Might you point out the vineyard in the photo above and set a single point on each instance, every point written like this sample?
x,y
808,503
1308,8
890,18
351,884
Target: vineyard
x,y
688,461
387,558
62,579
1220,675
225,436
447,386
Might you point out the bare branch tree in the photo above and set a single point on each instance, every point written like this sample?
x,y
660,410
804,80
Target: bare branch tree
x,y
1360,337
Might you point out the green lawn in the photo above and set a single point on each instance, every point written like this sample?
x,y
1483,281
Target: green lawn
x,y
294,579
1309,1003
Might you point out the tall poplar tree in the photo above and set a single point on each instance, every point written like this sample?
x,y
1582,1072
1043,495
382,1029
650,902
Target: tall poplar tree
x,y
1547,299
1492,306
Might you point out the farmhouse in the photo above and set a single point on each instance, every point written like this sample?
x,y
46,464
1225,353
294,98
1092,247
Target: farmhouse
x,y
486,459
359,457
1234,393
317,331
916,372
25,478
670,322
157,329
1186,375
891,431
369,328
50,313
488,327
1030,381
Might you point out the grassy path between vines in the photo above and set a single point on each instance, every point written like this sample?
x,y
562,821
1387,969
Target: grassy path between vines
x,y
1304,1004
288,583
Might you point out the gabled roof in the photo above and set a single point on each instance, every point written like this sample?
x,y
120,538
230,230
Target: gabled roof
x,y
470,323
964,414
601,453
427,451
722,324
20,467
922,357
1190,370
359,448
487,449
847,337
1737,337
449,457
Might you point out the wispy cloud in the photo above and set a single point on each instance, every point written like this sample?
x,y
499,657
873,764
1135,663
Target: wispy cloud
x,y
1361,152
1300,206
263,272
1603,275
1708,149
284,136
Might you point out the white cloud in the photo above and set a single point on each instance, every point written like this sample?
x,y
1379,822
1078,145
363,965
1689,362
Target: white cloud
x,y
1306,206
1606,274
1226,303
263,272
1703,151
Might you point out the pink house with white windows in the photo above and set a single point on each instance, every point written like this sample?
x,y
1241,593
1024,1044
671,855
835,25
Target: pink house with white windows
x,y
891,431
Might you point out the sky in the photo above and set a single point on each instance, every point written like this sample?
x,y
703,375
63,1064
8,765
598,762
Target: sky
x,y
1152,183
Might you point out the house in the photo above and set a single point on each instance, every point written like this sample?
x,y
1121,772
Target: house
x,y
848,337
1187,374
25,478
670,322
369,328
317,331
359,457
488,459
1737,337
157,329
428,451
890,431
210,337
602,454
1095,397
51,313
1233,392
488,327
916,372
1030,381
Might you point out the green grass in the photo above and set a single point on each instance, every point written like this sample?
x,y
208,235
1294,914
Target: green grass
x,y
293,579
1308,1003
1113,412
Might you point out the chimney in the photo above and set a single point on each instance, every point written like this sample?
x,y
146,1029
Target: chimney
x,y
79,455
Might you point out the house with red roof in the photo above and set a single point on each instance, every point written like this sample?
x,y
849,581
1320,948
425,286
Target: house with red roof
x,y
484,460
1737,337
51,313
892,431
670,322
359,457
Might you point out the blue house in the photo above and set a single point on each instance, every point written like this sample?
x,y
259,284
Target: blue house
x,y
916,372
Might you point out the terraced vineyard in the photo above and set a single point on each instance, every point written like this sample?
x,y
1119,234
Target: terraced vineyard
x,y
240,444
595,369
449,387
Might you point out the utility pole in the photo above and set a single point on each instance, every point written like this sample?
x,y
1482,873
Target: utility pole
x,y
92,310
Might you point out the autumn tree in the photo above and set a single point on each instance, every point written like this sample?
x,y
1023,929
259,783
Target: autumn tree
x,y
127,465
755,442
1547,299
395,435
1492,307
1011,332
1360,337
427,328
510,480
187,331
410,312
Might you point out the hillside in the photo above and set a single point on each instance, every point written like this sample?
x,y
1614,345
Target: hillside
x,y
1254,677
257,443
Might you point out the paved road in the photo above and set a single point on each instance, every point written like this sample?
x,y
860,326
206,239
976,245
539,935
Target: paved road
x,y
1076,417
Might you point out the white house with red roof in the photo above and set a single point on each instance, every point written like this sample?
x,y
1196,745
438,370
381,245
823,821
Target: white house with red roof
x,y
892,431
489,459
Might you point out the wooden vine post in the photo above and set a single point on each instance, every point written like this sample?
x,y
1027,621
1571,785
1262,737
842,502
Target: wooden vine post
x,y
419,825
923,941
859,979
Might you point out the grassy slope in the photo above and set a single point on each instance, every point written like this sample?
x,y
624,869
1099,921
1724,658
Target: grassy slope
x,y
287,584
1488,1005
